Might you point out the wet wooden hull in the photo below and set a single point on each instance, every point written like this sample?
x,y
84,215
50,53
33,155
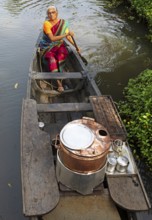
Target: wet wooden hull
x,y
41,192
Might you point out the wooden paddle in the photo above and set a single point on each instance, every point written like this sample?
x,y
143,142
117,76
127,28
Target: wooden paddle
x,y
82,58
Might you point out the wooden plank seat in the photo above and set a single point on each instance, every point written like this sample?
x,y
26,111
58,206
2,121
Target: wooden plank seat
x,y
39,186
64,107
58,75
128,193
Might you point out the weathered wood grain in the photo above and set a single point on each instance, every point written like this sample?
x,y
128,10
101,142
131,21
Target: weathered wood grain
x,y
63,75
39,186
64,107
126,191
106,113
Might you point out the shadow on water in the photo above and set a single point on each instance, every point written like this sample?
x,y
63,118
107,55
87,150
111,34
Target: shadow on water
x,y
132,53
113,82
115,49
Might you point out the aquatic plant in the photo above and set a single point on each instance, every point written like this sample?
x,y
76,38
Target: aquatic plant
x,y
144,9
114,3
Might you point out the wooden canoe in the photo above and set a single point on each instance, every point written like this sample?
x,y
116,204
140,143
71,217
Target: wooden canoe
x,y
40,189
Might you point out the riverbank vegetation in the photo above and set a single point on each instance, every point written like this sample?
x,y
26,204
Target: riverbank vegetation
x,y
140,8
144,10
136,111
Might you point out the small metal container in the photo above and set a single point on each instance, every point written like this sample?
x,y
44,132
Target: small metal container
x,y
122,164
117,145
111,164
41,125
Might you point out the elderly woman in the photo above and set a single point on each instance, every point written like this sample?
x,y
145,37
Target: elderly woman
x,y
55,30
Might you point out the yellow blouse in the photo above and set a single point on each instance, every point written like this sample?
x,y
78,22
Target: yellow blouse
x,y
47,28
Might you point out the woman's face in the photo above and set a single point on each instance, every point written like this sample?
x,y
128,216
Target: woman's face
x,y
52,14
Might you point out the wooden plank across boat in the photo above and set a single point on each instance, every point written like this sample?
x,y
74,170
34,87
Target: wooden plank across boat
x,y
64,107
65,75
42,192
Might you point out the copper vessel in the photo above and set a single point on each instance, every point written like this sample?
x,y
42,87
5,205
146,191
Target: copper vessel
x,y
84,145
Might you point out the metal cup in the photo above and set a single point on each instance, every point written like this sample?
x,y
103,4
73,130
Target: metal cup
x,y
111,164
122,164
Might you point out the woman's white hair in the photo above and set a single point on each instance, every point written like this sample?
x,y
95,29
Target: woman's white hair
x,y
52,7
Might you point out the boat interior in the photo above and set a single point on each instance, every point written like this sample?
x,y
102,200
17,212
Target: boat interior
x,y
46,106
75,81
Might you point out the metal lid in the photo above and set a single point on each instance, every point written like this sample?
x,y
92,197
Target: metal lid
x,y
76,136
123,161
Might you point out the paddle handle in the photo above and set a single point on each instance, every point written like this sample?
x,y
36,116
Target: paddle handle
x,y
75,43
77,48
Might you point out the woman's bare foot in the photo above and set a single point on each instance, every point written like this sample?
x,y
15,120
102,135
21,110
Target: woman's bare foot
x,y
60,89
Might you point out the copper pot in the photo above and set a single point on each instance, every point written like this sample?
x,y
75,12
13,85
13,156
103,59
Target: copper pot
x,y
88,151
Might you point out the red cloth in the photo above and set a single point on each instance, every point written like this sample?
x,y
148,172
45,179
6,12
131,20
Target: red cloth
x,y
56,58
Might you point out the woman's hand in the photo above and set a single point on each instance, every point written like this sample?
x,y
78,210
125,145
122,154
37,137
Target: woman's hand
x,y
78,50
70,33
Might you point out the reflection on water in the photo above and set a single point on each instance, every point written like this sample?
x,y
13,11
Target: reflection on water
x,y
15,7
113,47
